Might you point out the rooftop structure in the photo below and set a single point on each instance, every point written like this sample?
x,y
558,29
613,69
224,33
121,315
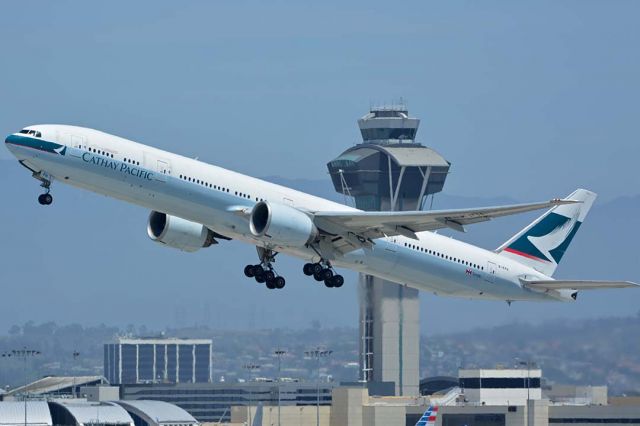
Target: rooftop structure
x,y
388,124
55,386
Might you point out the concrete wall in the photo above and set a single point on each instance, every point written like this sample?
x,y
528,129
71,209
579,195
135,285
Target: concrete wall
x,y
347,408
381,415
396,327
289,415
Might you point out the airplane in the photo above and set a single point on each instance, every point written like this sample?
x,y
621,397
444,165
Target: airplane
x,y
194,205
429,417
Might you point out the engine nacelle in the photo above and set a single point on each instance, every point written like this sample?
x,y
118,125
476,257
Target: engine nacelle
x,y
178,233
281,224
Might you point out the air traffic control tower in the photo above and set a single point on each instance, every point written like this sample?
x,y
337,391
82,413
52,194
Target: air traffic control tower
x,y
389,170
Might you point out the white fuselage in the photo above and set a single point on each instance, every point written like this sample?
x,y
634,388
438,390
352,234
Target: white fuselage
x,y
180,186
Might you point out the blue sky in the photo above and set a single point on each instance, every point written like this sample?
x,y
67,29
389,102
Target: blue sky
x,y
528,100
531,98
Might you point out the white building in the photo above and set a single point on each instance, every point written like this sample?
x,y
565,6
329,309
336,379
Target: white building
x,y
500,386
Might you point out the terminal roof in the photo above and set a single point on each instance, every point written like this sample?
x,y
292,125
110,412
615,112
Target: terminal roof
x,y
55,383
158,411
12,413
92,413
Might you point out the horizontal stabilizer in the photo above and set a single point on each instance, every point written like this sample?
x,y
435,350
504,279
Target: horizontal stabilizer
x,y
577,284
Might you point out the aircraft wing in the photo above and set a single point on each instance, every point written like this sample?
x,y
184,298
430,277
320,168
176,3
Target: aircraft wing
x,y
577,284
366,225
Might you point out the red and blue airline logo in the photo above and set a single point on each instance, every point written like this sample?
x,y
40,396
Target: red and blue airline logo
x,y
429,417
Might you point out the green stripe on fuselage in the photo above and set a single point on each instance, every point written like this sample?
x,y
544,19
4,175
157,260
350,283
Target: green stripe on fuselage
x,y
36,143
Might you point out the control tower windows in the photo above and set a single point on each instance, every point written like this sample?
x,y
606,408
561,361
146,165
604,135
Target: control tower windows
x,y
388,133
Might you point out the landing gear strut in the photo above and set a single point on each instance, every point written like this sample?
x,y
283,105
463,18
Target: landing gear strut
x,y
46,198
263,272
323,271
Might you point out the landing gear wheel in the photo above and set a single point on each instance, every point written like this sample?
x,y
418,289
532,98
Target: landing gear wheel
x,y
279,282
260,277
326,274
337,280
308,269
318,276
316,268
45,199
329,282
249,271
269,276
271,284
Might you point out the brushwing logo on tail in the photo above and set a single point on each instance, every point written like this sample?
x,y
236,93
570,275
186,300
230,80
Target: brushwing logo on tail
x,y
548,239
429,417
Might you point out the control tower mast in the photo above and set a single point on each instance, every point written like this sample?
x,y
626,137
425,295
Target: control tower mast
x,y
389,170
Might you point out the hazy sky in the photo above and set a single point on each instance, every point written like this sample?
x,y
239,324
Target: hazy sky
x,y
528,100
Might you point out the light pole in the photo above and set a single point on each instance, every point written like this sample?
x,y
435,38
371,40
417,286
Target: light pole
x,y
528,364
250,368
279,353
24,354
76,354
316,354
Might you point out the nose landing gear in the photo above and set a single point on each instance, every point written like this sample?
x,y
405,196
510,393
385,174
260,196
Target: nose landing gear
x,y
46,198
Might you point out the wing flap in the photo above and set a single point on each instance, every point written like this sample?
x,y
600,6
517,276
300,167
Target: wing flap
x,y
577,284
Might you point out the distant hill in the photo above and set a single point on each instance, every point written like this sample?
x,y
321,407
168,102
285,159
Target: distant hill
x,y
603,351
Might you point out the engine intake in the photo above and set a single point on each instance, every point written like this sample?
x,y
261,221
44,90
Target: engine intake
x,y
281,224
179,233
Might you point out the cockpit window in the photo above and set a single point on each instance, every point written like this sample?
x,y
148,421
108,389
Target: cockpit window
x,y
35,133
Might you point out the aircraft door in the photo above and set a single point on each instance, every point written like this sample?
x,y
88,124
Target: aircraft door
x,y
491,272
164,167
77,141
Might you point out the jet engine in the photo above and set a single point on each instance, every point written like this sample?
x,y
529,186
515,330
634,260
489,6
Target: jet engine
x,y
179,233
281,224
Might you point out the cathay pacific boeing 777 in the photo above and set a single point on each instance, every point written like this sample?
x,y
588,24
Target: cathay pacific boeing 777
x,y
194,205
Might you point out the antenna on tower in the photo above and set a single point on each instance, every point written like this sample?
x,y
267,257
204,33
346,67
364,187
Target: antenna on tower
x,y
345,188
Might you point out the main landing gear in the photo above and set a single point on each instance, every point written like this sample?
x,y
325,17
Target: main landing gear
x,y
263,272
323,271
